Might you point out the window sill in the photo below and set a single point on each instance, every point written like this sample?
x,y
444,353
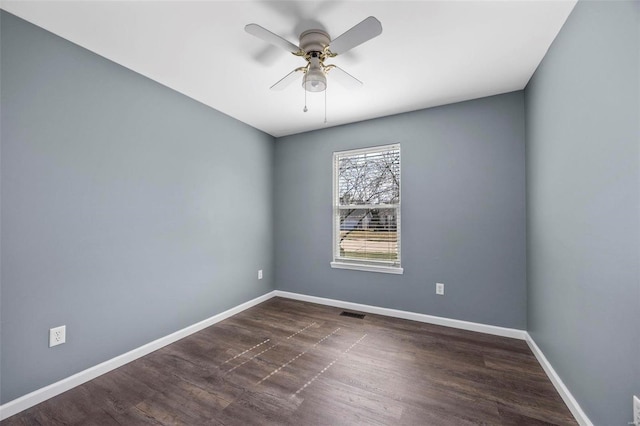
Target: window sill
x,y
368,268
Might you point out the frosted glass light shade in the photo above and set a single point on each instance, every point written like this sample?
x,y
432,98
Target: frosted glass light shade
x,y
314,80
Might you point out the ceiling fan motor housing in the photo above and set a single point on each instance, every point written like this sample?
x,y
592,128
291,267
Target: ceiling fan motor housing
x,y
314,41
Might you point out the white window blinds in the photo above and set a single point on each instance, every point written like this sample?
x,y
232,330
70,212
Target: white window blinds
x,y
367,209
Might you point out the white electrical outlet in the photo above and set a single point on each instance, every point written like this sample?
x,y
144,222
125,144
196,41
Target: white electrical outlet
x,y
57,335
440,289
259,274
636,410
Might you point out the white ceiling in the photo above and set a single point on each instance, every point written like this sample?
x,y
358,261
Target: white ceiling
x,y
429,53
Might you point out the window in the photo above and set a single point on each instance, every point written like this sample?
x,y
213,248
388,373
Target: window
x,y
366,209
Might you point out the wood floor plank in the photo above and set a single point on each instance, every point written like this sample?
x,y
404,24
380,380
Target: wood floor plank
x,y
287,362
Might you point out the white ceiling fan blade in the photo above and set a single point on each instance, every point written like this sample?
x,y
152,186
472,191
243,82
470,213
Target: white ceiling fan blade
x,y
344,78
287,79
365,30
269,37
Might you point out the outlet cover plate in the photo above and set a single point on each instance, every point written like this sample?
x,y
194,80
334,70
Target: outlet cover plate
x,y
57,335
636,410
259,274
440,289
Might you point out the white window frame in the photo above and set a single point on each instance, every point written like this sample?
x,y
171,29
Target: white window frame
x,y
389,267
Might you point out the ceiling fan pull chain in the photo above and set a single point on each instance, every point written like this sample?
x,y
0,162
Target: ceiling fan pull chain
x,y
305,102
325,106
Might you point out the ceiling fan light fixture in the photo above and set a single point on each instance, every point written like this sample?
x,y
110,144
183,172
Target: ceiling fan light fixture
x,y
314,80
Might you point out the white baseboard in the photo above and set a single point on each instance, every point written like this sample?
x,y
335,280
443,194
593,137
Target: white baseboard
x,y
29,400
562,389
430,319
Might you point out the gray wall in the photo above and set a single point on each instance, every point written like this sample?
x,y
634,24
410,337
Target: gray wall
x,y
129,211
463,212
583,184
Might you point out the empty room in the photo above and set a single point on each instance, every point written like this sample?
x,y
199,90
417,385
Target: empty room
x,y
320,212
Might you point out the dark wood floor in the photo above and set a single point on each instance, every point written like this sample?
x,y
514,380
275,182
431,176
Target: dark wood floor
x,y
296,363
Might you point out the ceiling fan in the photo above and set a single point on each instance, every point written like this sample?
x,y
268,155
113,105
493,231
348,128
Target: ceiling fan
x,y
315,47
